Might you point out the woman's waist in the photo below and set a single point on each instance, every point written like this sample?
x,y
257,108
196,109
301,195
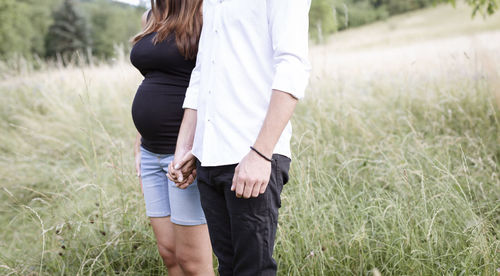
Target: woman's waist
x,y
164,79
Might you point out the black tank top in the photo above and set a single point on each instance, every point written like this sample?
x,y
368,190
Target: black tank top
x,y
157,108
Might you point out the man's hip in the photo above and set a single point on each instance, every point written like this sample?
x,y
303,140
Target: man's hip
x,y
242,230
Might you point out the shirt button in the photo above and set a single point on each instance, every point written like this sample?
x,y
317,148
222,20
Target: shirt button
x,y
216,31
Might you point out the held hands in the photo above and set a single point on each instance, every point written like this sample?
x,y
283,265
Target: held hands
x,y
182,170
251,176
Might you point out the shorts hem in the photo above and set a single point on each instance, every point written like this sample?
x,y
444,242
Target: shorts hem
x,y
157,215
188,222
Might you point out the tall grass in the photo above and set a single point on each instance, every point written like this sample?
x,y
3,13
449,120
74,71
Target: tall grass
x,y
403,180
396,168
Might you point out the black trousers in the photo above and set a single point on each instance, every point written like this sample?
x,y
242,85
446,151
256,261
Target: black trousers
x,y
242,231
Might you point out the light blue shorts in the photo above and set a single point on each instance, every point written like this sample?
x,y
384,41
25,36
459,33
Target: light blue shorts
x,y
162,197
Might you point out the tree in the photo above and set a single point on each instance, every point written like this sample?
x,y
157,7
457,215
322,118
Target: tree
x,y
39,14
15,28
322,19
111,24
24,25
69,32
485,7
328,16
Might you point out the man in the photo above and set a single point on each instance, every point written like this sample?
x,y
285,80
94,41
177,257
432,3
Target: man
x,y
252,67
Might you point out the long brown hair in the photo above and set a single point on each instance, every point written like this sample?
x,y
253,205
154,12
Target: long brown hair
x,y
180,17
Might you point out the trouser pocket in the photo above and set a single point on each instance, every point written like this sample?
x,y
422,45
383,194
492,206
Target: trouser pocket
x,y
279,177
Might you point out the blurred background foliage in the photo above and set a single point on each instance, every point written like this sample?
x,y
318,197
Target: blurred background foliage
x,y
44,28
329,16
69,32
56,28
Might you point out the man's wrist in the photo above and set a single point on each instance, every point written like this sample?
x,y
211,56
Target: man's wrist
x,y
182,149
264,148
263,156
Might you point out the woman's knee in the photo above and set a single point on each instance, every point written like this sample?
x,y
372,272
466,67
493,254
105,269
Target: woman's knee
x,y
189,266
191,263
167,253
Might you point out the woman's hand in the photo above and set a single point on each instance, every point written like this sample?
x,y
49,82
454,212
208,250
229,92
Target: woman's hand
x,y
137,155
182,170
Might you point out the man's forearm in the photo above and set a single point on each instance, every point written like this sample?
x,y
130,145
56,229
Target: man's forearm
x,y
180,170
186,132
279,112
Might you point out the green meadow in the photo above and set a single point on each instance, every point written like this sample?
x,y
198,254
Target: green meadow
x,y
395,171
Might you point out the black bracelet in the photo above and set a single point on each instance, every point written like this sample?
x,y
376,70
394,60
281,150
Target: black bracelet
x,y
261,155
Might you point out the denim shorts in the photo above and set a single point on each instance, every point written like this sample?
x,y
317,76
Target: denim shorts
x,y
162,197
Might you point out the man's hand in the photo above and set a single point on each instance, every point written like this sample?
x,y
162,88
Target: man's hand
x,y
182,170
251,176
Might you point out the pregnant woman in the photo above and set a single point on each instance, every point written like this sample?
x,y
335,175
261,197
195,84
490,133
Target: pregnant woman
x,y
165,52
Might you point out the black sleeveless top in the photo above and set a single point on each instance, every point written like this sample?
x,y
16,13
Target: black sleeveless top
x,y
157,108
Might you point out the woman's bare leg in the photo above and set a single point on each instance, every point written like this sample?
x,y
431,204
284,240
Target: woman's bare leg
x,y
164,231
193,250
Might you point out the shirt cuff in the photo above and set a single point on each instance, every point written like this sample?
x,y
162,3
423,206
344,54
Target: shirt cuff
x,y
191,99
291,79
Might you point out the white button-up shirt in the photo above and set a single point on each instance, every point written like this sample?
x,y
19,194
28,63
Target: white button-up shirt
x,y
247,48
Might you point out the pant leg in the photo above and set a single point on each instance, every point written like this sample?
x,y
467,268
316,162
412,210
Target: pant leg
x,y
210,185
254,222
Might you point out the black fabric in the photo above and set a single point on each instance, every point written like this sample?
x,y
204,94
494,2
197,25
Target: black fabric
x,y
157,107
242,231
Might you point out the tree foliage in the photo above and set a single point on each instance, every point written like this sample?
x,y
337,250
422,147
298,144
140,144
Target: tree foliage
x,y
322,18
24,26
111,24
328,16
483,6
70,31
12,19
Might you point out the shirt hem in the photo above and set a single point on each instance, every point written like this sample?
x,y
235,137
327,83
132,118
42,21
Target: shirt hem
x,y
232,161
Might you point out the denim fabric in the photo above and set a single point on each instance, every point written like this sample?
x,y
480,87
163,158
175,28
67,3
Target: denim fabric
x,y
162,197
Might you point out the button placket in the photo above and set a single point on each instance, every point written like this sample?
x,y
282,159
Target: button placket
x,y
211,87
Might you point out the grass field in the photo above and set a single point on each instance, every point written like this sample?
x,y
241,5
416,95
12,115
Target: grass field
x,y
395,172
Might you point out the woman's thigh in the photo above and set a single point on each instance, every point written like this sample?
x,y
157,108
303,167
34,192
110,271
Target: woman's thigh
x,y
185,205
155,185
192,243
164,232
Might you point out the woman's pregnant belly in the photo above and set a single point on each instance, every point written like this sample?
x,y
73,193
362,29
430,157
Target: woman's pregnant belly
x,y
157,114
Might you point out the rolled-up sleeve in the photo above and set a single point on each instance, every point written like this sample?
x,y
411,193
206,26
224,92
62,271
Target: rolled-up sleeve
x,y
191,99
193,90
289,27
